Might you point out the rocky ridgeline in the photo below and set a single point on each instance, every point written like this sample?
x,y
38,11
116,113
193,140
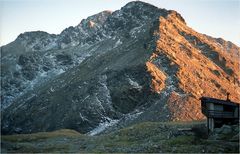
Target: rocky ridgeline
x,y
35,57
114,69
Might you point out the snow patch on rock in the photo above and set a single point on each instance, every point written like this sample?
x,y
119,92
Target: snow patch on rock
x,y
119,42
103,126
104,88
134,84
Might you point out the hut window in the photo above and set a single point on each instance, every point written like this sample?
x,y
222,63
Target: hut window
x,y
228,108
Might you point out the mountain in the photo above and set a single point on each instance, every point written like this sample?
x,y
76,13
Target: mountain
x,y
114,69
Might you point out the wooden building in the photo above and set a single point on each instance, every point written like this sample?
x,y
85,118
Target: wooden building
x,y
219,112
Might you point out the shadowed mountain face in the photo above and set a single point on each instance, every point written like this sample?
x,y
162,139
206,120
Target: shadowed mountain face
x,y
139,63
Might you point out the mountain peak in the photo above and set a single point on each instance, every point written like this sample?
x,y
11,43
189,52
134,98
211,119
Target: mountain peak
x,y
142,9
139,63
138,4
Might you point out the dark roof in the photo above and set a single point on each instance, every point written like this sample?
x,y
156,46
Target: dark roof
x,y
218,101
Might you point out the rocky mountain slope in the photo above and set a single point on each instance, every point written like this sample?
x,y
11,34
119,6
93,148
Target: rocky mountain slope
x,y
37,56
139,63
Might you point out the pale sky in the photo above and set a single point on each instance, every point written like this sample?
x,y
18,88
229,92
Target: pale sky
x,y
217,18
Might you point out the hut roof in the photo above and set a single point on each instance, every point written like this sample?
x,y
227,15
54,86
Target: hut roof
x,y
218,101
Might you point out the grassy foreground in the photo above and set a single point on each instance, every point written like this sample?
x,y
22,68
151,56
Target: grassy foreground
x,y
145,137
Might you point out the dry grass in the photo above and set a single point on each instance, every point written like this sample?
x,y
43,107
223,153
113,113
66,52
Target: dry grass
x,y
40,136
